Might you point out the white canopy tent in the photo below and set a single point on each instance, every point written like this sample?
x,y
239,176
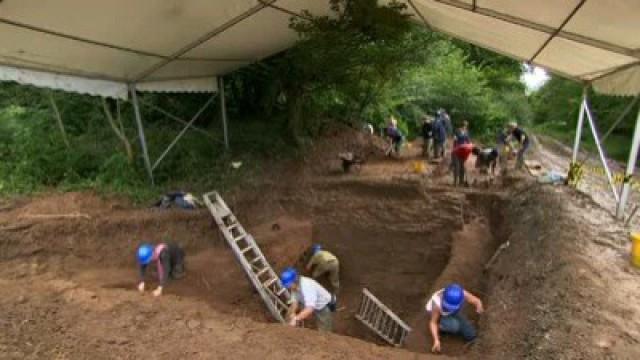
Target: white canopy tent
x,y
112,48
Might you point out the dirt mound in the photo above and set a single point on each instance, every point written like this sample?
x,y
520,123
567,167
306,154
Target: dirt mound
x,y
60,205
323,158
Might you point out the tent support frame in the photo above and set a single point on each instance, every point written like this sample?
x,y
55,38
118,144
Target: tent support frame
x,y
622,196
176,118
585,111
143,141
181,133
631,166
576,143
187,125
223,112
601,153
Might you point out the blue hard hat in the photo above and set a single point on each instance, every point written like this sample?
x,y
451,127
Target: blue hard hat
x,y
288,277
145,254
316,248
452,298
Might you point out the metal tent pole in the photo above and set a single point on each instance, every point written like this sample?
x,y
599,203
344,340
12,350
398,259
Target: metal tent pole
x,y
181,133
603,157
631,165
143,141
223,110
576,143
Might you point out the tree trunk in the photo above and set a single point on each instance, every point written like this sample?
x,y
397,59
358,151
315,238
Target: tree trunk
x,y
118,129
59,119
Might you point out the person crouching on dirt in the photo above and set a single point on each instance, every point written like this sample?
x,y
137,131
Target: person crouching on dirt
x,y
311,297
461,150
486,159
323,262
396,137
444,307
169,260
522,138
427,136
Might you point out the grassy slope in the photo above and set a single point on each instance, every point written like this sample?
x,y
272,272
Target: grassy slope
x,y
616,145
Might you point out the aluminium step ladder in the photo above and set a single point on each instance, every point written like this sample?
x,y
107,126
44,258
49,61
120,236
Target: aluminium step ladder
x,y
379,318
247,252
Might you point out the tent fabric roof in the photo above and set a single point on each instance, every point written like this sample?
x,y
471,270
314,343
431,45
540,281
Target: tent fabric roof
x,y
585,40
98,47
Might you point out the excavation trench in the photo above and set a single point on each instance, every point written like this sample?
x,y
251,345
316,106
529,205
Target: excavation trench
x,y
400,241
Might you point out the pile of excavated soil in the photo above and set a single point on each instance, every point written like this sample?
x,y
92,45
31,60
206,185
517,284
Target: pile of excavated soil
x,y
564,288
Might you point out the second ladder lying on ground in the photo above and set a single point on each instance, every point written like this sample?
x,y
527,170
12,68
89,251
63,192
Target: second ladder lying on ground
x,y
379,318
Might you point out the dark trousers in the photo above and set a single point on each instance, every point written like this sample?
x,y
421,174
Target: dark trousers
x,y
438,149
458,171
176,264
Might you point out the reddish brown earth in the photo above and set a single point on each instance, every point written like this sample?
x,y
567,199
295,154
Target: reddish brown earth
x,y
563,289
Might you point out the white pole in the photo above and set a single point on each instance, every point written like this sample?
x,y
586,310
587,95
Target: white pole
x,y
223,110
603,157
576,143
631,166
143,141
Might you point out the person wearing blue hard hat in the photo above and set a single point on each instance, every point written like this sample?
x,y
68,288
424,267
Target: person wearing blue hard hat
x,y
169,260
321,263
444,308
309,295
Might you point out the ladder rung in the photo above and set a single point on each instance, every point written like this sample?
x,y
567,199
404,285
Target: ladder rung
x,y
233,226
245,250
256,260
281,291
270,282
264,270
241,237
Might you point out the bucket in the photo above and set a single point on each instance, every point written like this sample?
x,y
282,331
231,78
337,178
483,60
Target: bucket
x,y
635,249
419,167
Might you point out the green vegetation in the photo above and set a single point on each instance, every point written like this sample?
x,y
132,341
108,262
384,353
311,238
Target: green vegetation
x,y
360,65
556,107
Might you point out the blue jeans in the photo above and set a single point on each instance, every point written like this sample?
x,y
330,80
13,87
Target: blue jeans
x,y
457,324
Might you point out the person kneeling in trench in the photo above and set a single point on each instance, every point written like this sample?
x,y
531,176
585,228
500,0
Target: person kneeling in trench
x,y
444,308
314,299
169,259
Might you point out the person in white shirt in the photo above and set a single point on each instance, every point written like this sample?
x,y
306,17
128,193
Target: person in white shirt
x,y
444,307
309,295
